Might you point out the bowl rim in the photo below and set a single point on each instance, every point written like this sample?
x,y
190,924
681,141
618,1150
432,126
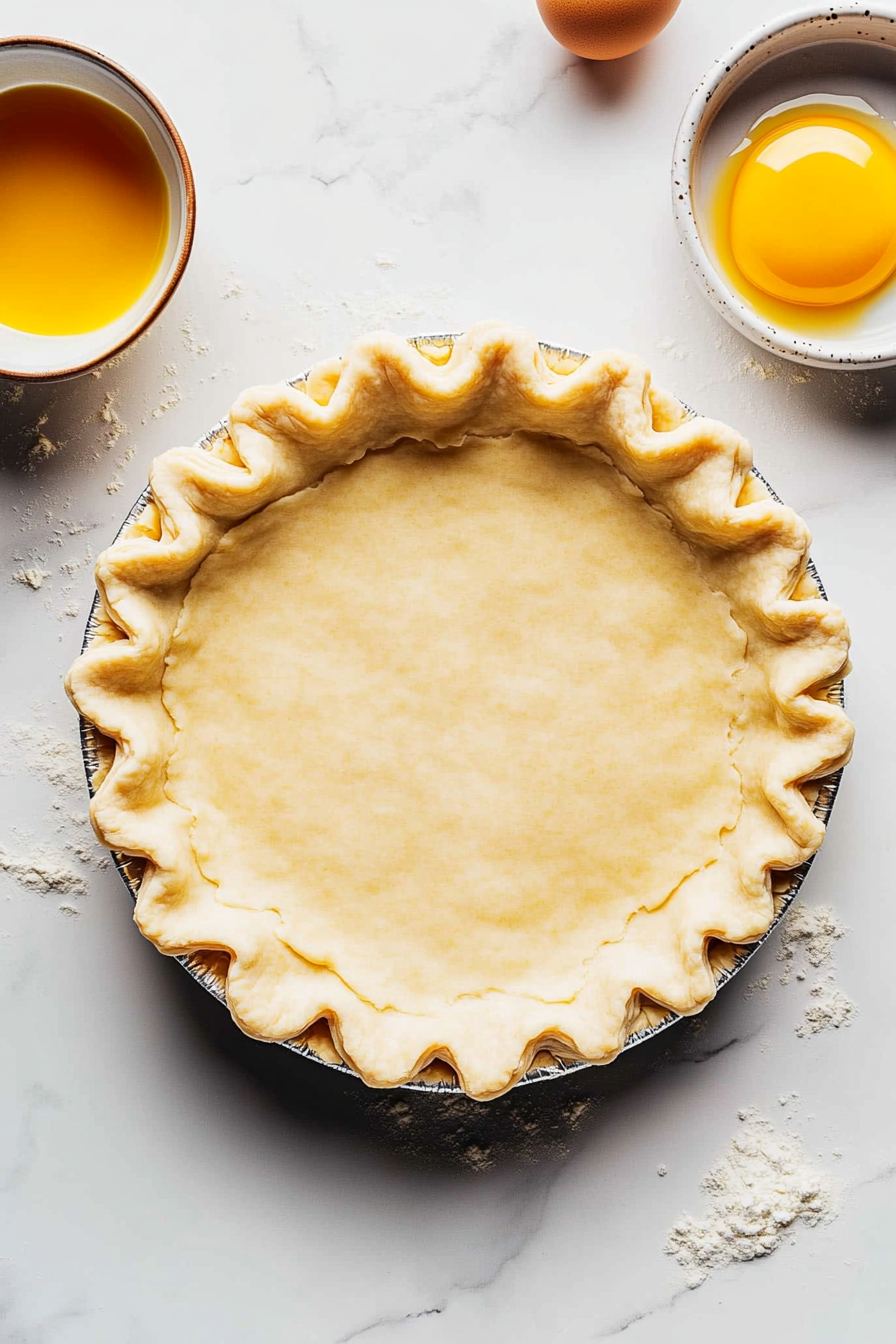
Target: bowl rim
x,y
97,58
732,306
130,868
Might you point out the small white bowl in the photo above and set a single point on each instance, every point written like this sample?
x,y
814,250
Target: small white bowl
x,y
45,60
845,50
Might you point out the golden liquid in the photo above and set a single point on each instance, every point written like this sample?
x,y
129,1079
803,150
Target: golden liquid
x,y
814,321
84,212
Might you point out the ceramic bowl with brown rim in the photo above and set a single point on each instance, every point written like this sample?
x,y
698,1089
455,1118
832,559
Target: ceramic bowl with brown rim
x,y
26,356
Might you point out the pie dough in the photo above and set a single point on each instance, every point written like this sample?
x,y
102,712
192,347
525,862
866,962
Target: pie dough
x,y
461,695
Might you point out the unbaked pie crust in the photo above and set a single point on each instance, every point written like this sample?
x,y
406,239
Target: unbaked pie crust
x,y
461,696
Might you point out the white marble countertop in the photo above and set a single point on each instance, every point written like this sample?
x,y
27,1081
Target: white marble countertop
x,y
417,166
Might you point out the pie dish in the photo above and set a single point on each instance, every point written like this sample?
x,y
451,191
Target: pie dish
x,y
464,697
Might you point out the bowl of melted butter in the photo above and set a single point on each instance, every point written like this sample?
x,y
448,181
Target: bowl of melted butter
x,y
784,186
98,208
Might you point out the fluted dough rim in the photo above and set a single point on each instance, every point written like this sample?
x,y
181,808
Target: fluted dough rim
x,y
492,380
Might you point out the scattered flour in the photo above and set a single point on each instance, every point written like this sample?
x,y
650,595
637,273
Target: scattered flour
x,y
792,1104
766,372
372,310
33,577
73,567
43,871
116,481
830,1008
43,446
40,450
109,416
171,394
757,1193
88,856
384,262
117,360
672,349
428,308
866,398
48,755
215,375
192,344
757,986
232,289
808,935
56,759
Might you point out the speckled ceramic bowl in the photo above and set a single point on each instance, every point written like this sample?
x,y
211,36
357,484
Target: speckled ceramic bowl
x,y
209,969
846,50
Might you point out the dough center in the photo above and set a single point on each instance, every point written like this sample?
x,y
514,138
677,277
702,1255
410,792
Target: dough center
x,y
456,716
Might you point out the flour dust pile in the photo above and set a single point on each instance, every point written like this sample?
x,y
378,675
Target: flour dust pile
x,y
830,1008
46,753
808,942
51,870
44,871
760,1191
808,934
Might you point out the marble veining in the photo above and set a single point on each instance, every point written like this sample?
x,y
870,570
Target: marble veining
x,y
526,1225
162,1178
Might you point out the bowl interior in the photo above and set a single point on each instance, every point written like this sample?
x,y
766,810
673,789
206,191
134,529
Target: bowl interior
x,y
852,56
35,62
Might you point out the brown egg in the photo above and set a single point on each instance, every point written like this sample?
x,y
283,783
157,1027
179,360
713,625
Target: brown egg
x,y
605,29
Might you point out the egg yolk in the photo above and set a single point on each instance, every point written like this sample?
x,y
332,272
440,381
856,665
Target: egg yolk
x,y
813,212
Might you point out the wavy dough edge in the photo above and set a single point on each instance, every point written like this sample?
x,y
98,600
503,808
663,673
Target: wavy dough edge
x,y
492,380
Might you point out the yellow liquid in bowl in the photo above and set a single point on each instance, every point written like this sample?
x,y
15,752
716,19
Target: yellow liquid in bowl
x,y
84,211
804,214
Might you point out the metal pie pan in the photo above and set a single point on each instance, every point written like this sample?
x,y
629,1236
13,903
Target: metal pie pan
x,y
726,959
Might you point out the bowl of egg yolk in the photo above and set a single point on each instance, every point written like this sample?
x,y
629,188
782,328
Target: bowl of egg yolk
x,y
784,186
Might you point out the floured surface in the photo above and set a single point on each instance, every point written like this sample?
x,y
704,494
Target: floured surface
x,y
456,717
761,1189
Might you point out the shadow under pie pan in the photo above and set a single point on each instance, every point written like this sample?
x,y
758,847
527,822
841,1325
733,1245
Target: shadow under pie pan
x,y
209,968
